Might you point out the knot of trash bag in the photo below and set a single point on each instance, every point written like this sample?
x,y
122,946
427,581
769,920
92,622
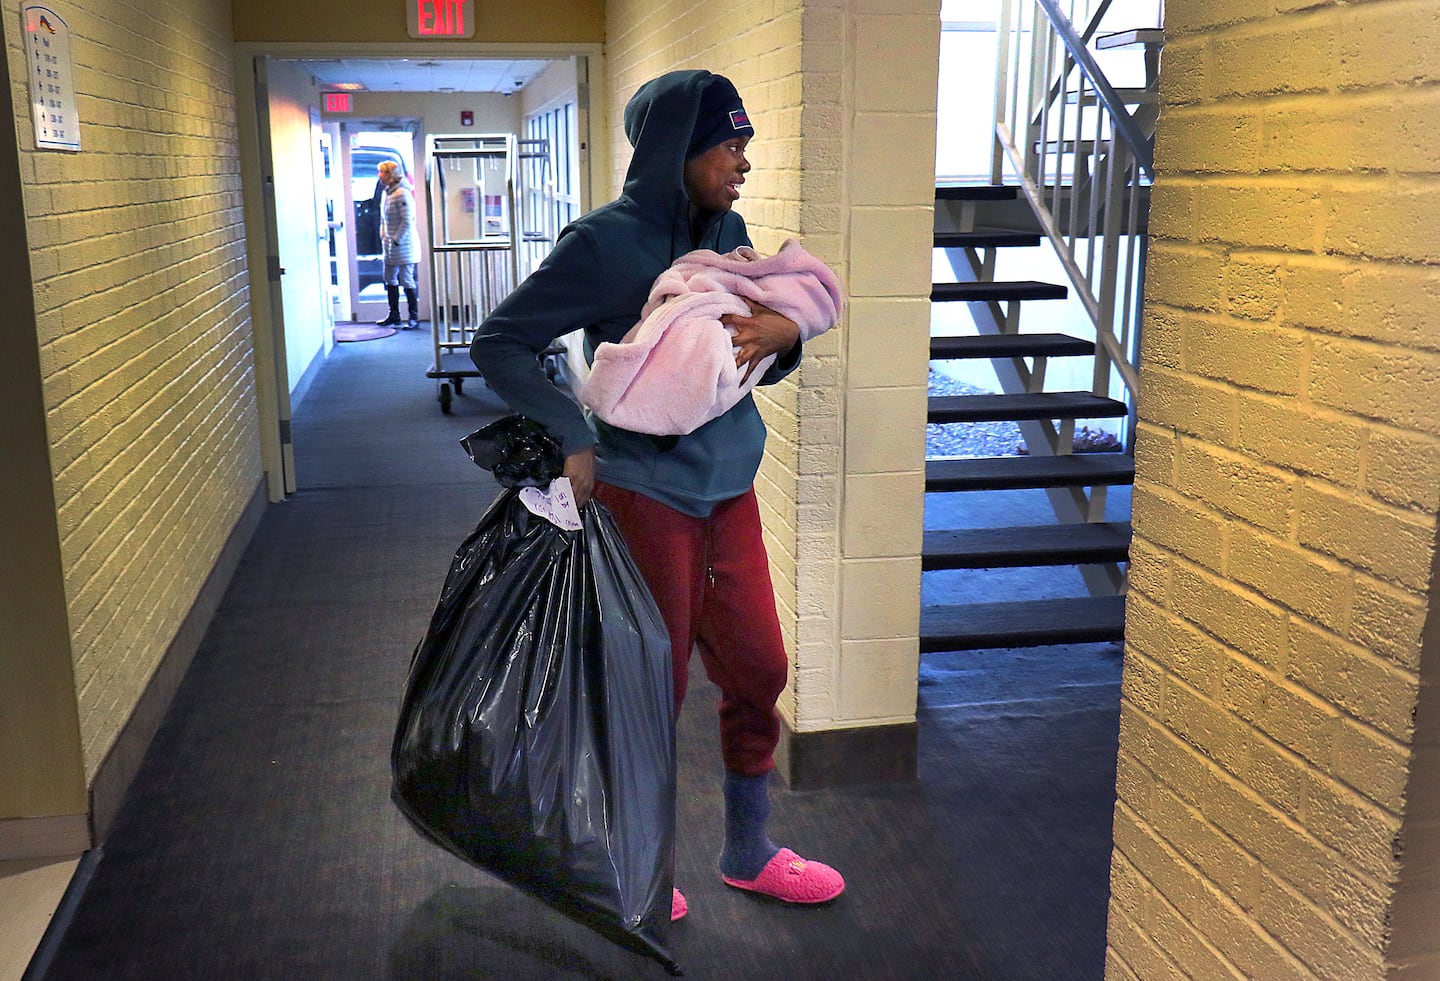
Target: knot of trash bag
x,y
517,451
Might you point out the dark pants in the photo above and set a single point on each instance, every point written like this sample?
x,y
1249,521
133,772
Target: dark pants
x,y
711,580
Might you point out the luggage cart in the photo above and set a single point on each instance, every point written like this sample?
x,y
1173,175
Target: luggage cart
x,y
472,245
480,208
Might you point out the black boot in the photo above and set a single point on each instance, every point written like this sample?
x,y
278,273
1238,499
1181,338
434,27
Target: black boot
x,y
392,293
412,301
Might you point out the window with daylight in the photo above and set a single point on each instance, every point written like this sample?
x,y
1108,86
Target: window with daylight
x,y
551,136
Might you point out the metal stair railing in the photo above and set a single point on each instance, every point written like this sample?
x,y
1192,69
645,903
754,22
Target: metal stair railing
x,y
1084,165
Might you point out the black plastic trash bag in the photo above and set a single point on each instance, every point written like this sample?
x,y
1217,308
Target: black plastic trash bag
x,y
517,451
536,735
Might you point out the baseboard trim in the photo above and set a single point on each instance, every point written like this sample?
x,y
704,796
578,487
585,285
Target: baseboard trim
x,y
54,935
56,836
843,757
122,762
312,371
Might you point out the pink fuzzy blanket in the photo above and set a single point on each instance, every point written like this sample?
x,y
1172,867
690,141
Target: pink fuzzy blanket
x,y
675,370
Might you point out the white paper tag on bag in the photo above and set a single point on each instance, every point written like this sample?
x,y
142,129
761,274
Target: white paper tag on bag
x,y
556,504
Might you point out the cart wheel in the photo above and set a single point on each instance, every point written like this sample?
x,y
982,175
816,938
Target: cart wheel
x,y
459,386
445,397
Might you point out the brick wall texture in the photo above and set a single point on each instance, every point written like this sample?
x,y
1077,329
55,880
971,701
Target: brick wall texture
x,y
832,87
757,46
141,289
1288,481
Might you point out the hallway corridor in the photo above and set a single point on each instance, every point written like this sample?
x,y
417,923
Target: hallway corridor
x,y
258,841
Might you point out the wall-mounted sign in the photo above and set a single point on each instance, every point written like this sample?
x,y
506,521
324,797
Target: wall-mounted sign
x,y
52,79
440,18
335,101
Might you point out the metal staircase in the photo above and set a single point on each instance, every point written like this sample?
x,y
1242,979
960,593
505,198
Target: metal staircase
x,y
1071,170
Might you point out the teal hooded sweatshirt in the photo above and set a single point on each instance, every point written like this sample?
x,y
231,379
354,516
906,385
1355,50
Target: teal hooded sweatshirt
x,y
597,278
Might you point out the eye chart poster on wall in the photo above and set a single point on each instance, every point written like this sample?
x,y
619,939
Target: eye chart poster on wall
x,y
52,79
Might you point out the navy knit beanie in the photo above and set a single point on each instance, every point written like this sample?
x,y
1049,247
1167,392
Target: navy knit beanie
x,y
721,116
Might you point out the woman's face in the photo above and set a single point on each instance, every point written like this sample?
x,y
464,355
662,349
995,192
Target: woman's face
x,y
713,178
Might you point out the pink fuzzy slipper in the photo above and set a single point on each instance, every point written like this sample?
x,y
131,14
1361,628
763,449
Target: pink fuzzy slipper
x,y
678,906
791,878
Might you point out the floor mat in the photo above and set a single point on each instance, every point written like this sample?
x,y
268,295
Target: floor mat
x,y
361,332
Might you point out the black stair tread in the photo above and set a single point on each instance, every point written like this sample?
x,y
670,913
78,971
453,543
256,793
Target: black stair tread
x,y
1074,146
976,192
1012,472
1123,39
1017,290
981,238
1022,623
1129,96
1027,405
1008,346
1031,545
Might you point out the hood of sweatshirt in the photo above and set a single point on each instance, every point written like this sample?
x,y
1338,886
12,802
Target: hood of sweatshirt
x,y
659,120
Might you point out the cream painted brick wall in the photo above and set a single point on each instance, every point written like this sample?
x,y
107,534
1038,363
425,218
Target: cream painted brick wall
x,y
833,88
1288,474
757,45
870,71
143,316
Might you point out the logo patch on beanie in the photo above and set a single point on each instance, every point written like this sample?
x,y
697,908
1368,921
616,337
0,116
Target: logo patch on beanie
x,y
738,119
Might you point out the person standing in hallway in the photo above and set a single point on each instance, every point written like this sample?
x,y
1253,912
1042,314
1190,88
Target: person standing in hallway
x,y
685,504
400,244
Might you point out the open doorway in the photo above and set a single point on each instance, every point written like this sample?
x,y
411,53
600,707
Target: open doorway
x,y
368,143
393,107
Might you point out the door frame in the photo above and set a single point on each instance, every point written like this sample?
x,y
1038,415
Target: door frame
x,y
366,310
267,311
271,385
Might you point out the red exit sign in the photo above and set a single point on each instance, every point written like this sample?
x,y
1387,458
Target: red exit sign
x,y
441,18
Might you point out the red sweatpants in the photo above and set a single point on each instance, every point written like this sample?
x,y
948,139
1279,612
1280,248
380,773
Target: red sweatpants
x,y
711,580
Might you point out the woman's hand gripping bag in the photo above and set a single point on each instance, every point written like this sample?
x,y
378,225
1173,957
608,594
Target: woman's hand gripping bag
x,y
536,736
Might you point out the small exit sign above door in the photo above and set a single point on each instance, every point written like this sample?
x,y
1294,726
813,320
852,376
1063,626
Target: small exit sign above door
x,y
440,18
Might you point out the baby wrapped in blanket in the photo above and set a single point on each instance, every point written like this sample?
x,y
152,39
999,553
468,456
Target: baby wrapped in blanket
x,y
675,370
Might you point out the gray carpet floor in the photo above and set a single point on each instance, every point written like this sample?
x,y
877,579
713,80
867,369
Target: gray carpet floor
x,y
259,841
